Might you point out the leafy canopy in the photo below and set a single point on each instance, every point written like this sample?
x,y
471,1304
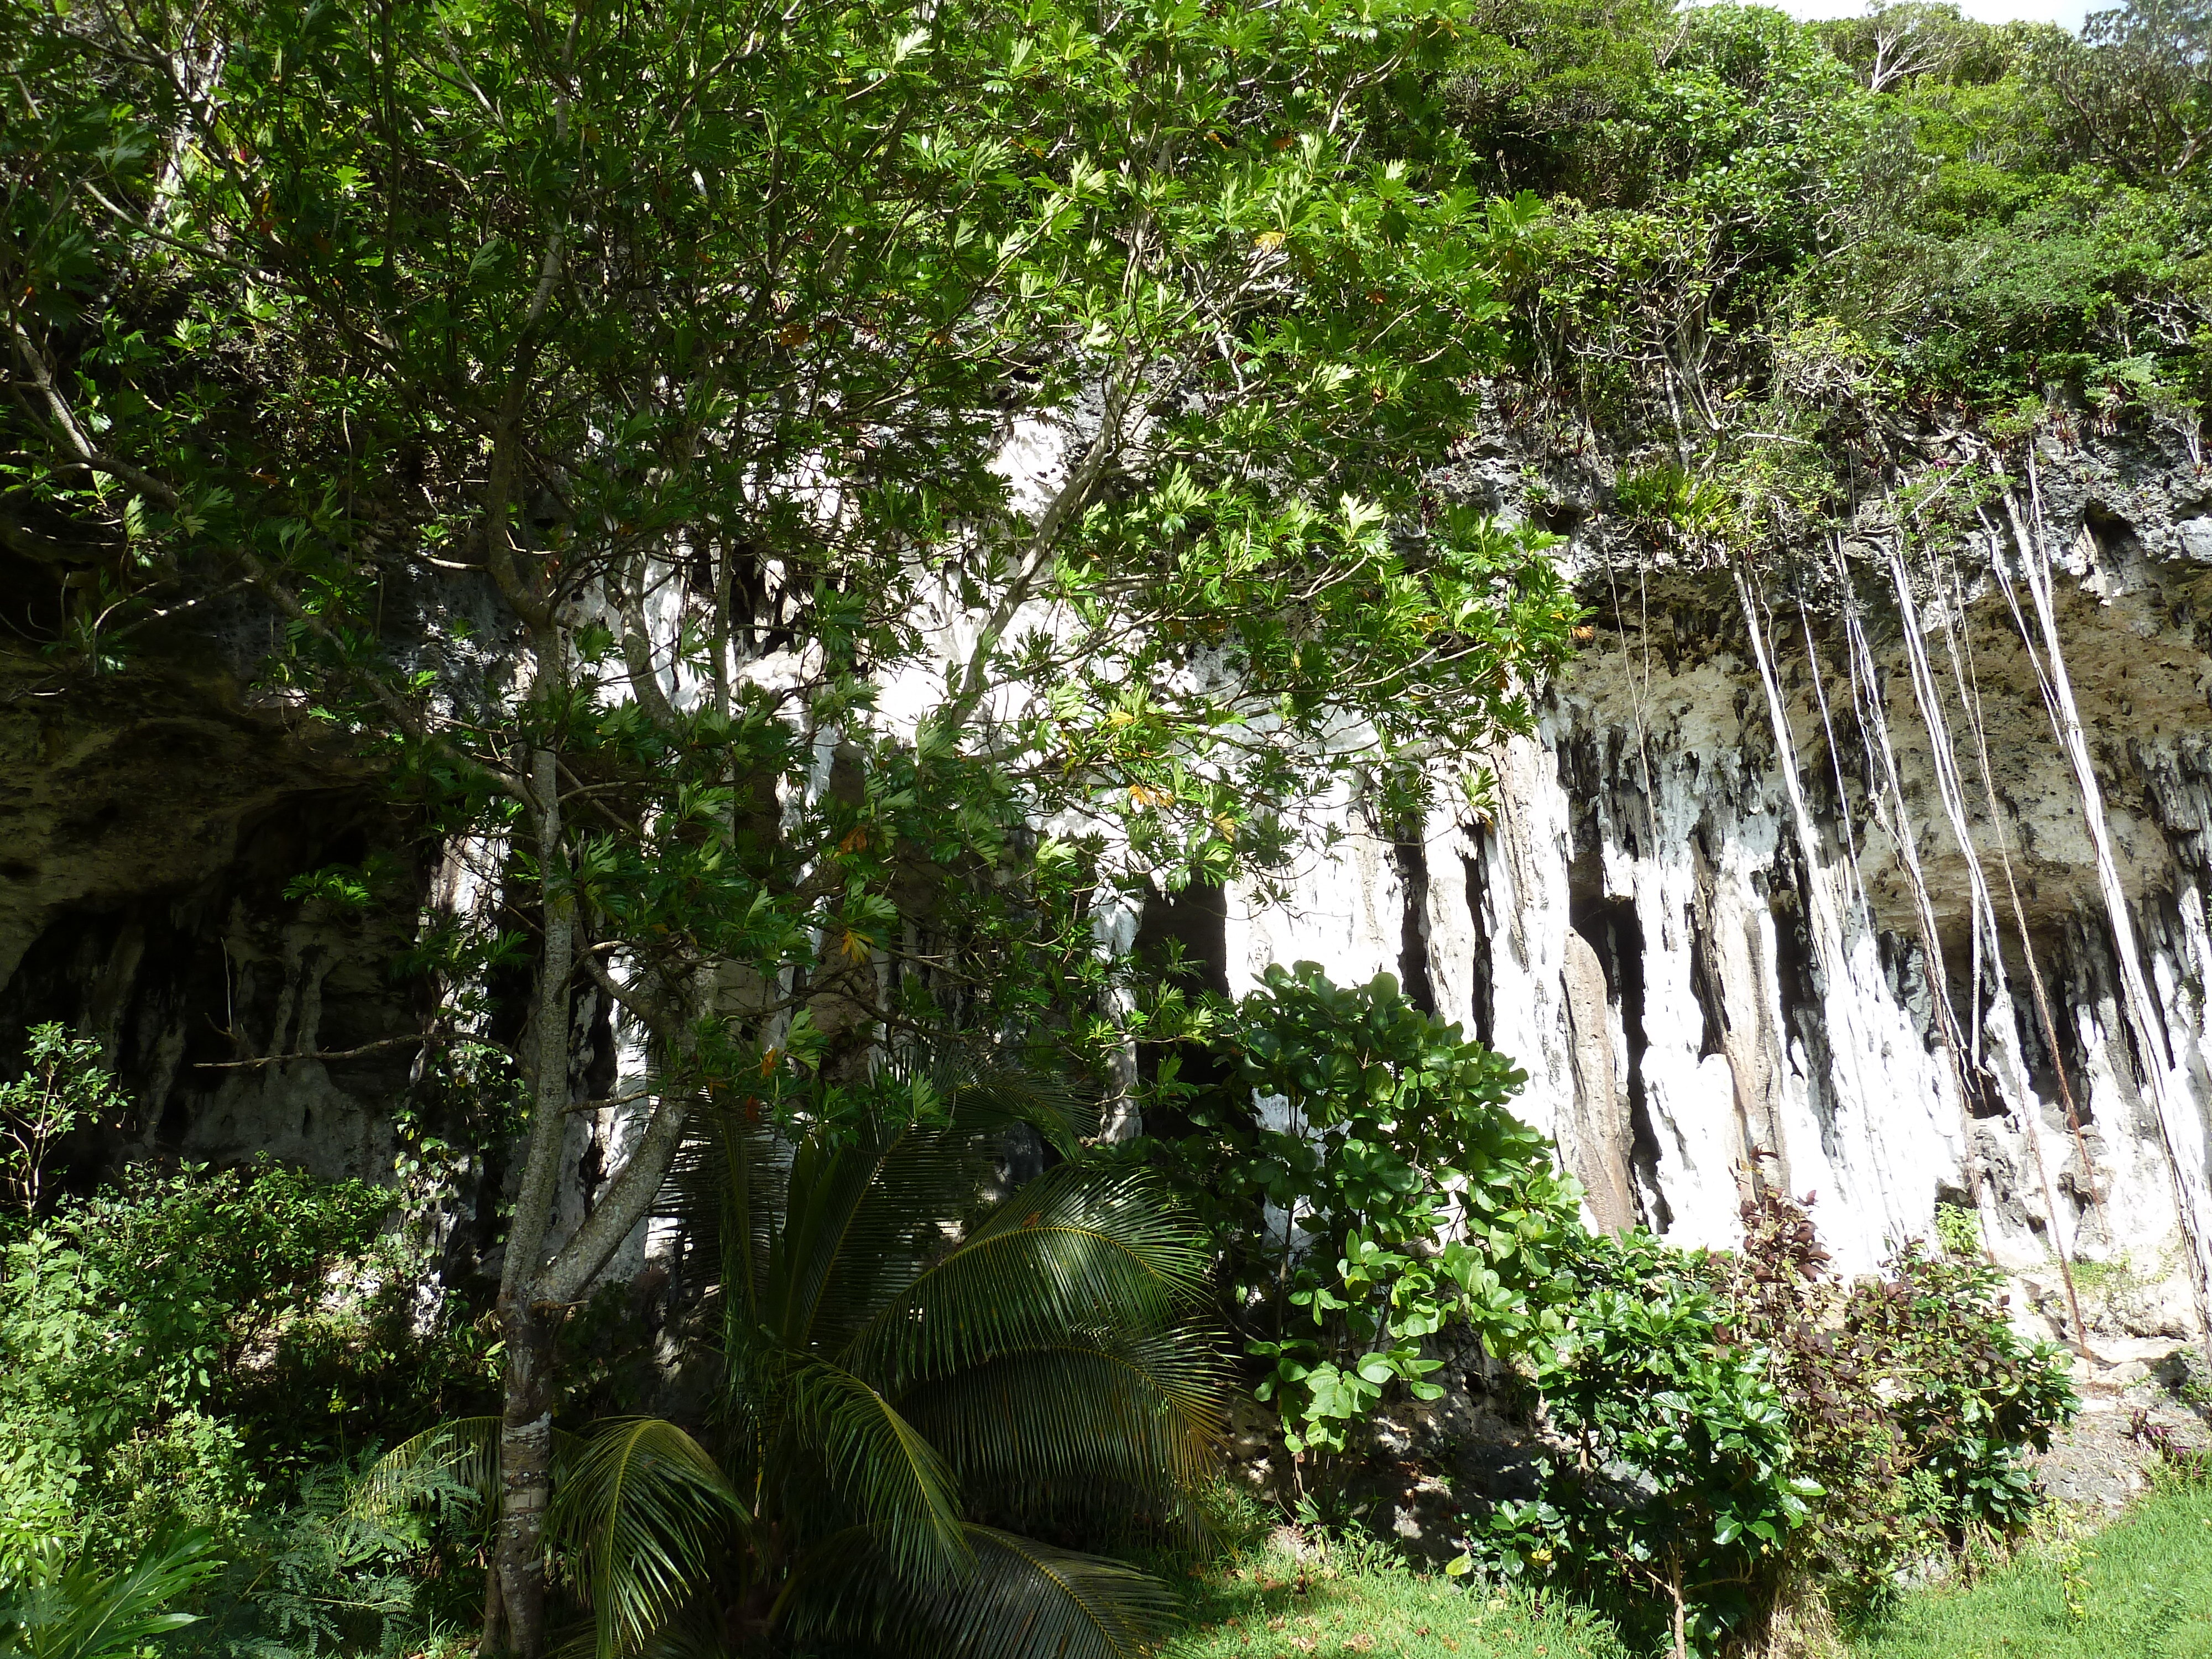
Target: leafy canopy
x,y
726,314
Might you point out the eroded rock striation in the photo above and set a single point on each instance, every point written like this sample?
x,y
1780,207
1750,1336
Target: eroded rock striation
x,y
1725,960
1722,913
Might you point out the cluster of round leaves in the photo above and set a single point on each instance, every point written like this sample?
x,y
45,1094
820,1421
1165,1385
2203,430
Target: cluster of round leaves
x,y
1367,1188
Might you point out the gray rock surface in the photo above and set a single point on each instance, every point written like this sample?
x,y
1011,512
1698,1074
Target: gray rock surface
x,y
1709,950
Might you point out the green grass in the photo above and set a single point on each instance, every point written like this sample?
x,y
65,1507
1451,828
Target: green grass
x,y
2141,1589
1368,1607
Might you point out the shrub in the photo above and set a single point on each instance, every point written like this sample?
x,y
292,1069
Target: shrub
x,y
348,1567
175,1348
1969,1396
1366,1187
1673,1470
1729,1428
52,1607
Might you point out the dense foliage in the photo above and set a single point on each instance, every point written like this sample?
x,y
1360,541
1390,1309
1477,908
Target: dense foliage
x,y
168,1348
1734,1431
1366,1187
690,352
933,1377
1780,256
191,1367
821,504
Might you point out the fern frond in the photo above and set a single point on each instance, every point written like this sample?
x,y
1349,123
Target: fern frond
x,y
466,1450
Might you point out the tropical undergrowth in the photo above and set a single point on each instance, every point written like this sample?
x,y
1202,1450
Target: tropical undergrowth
x,y
953,1353
1720,1440
195,1366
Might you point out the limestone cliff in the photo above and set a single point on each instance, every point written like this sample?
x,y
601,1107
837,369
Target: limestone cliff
x,y
1723,958
1711,983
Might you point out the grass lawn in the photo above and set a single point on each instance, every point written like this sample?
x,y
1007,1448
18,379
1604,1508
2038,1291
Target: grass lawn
x,y
2141,1589
1266,1609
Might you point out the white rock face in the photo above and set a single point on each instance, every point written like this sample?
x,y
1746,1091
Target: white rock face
x,y
1640,925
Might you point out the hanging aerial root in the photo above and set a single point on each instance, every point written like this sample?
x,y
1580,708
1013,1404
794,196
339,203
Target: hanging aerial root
x,y
1966,675
2191,1201
1951,788
1891,805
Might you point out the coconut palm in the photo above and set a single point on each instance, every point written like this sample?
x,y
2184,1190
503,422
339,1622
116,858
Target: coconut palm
x,y
925,1361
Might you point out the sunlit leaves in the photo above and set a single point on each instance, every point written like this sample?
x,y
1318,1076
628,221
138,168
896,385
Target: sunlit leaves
x,y
1385,1191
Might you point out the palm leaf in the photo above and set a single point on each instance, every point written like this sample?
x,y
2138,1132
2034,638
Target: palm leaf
x,y
842,1241
724,1190
1022,1600
80,1613
1076,1248
883,1469
1097,1423
645,1515
983,1097
868,1209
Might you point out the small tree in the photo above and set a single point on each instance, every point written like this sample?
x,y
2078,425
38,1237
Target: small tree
x,y
63,1086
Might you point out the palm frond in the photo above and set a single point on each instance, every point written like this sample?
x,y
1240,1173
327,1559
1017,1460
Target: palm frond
x,y
645,1515
1095,1423
867,1209
78,1613
466,1451
724,1190
840,1239
1022,1600
887,1472
1076,1248
981,1096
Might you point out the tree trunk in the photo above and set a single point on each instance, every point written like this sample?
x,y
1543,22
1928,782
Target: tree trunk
x,y
514,1599
516,1595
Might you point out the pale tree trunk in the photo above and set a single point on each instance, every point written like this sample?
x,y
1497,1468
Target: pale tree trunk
x,y
515,1600
534,1290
